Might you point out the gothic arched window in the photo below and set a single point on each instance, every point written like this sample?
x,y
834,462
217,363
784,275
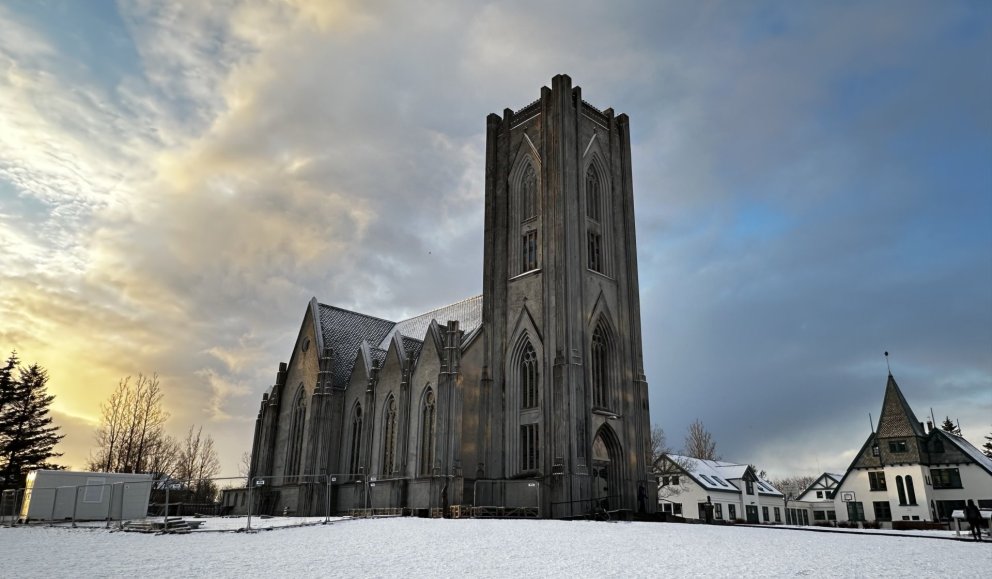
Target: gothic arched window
x,y
528,377
296,425
355,462
428,424
593,198
910,490
528,194
389,437
601,364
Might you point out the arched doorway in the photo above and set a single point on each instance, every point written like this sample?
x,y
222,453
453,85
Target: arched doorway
x,y
605,470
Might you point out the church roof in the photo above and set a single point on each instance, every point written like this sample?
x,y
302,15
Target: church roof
x,y
897,418
468,312
344,331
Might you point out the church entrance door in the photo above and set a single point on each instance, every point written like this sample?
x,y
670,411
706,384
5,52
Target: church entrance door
x,y
604,475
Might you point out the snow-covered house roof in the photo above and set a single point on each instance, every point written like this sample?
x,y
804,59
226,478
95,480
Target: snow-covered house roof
x,y
716,475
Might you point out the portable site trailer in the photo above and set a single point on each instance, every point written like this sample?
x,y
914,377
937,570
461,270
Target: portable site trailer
x,y
85,496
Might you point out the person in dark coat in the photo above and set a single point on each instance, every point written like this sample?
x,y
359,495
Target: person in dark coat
x,y
974,518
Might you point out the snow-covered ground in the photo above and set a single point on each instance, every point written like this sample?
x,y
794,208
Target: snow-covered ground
x,y
411,547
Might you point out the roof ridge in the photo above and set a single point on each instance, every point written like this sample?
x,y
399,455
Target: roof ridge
x,y
340,309
477,296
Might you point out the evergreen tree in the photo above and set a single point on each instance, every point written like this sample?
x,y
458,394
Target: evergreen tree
x,y
949,427
987,447
27,435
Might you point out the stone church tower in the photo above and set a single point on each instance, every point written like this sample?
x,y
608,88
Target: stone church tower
x,y
529,400
565,397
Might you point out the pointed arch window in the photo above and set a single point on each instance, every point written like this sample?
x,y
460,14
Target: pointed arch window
x,y
601,363
355,460
528,193
296,427
901,489
910,490
428,424
389,437
593,196
528,377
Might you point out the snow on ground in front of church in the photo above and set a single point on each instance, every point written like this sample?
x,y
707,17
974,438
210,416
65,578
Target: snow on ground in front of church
x,y
412,547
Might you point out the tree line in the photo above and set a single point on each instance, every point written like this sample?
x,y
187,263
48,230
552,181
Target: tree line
x,y
130,438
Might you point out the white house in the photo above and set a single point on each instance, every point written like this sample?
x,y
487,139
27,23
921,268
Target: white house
x,y
817,500
907,472
686,485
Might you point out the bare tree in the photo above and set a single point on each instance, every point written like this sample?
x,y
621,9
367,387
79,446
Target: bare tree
x,y
197,464
131,435
699,442
793,486
659,444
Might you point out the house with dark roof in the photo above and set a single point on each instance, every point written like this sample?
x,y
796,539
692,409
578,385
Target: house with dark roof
x,y
527,400
689,486
906,471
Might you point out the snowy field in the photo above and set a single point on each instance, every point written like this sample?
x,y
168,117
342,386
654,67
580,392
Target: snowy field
x,y
409,547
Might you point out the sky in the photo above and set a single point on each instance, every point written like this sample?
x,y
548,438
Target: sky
x,y
812,182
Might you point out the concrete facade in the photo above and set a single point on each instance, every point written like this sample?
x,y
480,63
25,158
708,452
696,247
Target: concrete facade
x,y
531,396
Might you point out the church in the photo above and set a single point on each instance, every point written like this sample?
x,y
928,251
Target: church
x,y
528,400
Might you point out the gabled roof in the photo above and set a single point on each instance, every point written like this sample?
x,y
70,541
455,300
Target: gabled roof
x,y
344,331
716,475
822,482
966,447
897,418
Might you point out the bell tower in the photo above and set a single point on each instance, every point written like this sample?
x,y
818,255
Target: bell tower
x,y
565,398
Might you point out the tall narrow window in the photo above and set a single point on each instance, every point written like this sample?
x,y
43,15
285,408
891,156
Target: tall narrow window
x,y
600,365
528,194
356,440
529,450
595,252
528,378
428,413
389,437
593,206
901,490
910,490
296,426
529,251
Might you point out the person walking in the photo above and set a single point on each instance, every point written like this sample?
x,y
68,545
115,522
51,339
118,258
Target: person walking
x,y
974,518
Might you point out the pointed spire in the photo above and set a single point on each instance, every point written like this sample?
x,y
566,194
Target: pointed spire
x,y
897,418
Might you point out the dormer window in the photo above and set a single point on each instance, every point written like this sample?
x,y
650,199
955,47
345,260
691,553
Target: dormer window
x,y
898,446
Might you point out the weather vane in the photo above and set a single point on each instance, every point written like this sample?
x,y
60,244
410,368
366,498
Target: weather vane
x,y
887,363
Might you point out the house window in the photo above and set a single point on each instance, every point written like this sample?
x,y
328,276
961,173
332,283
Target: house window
x,y
732,512
750,487
910,490
901,489
718,510
356,439
764,514
855,511
830,494
778,515
897,446
946,478
529,452
595,242
876,480
428,412
529,251
874,449
819,516
389,437
819,494
883,512
528,377
592,194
